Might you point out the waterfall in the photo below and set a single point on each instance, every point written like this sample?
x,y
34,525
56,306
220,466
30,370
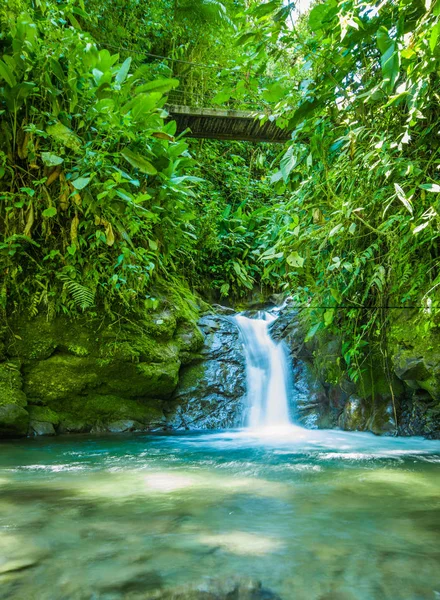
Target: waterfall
x,y
267,373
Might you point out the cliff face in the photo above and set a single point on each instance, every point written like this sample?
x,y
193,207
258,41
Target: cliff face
x,y
398,393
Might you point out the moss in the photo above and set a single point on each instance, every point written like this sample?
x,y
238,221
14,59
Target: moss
x,y
14,421
43,414
85,412
11,384
78,350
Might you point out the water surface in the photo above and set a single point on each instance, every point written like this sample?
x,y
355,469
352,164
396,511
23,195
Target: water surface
x,y
311,514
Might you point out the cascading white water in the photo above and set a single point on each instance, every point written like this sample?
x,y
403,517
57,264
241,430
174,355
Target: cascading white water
x,y
267,374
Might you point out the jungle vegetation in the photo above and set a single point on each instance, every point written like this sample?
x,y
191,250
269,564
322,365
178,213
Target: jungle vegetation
x,y
101,202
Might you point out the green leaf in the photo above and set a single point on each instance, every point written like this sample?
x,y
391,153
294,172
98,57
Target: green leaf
x,y
139,162
328,316
159,85
303,111
420,227
274,92
265,8
50,159
65,136
335,230
7,74
121,75
288,162
81,182
434,36
221,97
312,331
402,197
295,260
430,187
49,212
317,16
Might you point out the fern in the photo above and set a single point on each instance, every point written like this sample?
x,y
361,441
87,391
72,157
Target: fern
x,y
81,295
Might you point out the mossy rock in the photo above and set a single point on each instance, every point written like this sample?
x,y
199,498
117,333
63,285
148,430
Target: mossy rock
x,y
63,375
11,384
14,421
354,416
80,414
43,414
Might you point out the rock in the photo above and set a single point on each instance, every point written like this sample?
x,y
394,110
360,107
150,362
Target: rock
x,y
63,375
14,421
123,426
408,367
223,310
14,418
41,428
353,416
211,392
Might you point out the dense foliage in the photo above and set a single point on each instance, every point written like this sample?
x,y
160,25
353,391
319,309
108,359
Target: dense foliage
x,y
95,201
100,200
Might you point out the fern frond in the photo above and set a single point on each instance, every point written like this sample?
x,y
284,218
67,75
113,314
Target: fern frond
x,y
82,295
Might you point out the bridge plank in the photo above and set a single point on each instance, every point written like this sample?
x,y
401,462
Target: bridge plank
x,y
224,124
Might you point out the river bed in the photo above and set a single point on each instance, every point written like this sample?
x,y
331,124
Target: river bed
x,y
310,514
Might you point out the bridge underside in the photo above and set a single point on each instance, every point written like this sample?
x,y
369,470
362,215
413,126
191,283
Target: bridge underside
x,y
218,124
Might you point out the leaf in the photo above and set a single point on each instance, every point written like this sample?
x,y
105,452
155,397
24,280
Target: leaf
x,y
159,85
328,316
303,111
64,135
50,159
109,235
139,162
81,182
265,8
7,74
434,36
161,135
221,97
29,221
152,244
430,187
287,163
402,197
335,230
420,227
295,260
121,75
274,92
312,331
49,212
317,16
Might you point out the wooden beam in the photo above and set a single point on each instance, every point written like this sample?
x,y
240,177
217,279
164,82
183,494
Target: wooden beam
x,y
221,124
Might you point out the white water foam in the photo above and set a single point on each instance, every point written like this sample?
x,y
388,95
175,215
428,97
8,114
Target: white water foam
x,y
267,374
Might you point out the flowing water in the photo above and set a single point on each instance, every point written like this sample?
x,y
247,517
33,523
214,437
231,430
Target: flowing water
x,y
313,515
267,373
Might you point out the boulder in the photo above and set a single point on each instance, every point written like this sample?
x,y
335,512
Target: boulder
x,y
14,421
211,392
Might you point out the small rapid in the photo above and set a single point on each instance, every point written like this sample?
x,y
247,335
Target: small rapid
x,y
268,378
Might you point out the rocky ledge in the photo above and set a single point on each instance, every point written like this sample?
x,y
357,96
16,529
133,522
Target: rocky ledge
x,y
396,395
161,371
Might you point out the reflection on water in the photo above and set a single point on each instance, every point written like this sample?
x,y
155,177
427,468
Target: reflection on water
x,y
311,514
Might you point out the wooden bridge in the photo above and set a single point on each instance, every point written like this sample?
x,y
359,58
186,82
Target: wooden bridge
x,y
224,124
